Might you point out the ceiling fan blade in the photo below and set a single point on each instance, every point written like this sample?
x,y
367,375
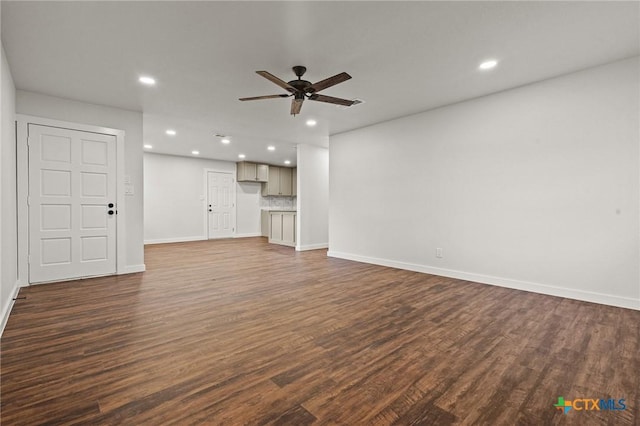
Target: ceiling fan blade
x,y
331,100
296,105
272,78
328,82
255,98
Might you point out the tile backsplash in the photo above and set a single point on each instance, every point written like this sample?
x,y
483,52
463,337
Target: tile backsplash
x,y
277,203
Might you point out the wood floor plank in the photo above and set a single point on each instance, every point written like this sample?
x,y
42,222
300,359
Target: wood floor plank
x,y
234,332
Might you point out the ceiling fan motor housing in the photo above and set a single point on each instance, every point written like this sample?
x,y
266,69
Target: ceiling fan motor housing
x,y
301,85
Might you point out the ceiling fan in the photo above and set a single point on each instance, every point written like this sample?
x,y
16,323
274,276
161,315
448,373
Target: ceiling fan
x,y
303,89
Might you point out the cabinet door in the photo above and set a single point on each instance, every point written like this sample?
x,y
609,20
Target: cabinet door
x,y
264,223
273,185
294,182
289,228
285,181
240,172
276,227
246,172
262,172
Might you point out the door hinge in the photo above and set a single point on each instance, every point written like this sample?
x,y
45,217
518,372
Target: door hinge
x,y
28,201
29,258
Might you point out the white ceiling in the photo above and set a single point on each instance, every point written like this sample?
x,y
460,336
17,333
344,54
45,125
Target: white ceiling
x,y
404,57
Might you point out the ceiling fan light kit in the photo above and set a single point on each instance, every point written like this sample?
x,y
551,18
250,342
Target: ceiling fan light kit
x,y
302,89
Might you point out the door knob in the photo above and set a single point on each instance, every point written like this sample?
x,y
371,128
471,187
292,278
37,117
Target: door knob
x,y
110,205
110,212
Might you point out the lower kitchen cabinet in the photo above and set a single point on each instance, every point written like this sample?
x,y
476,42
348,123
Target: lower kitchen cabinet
x,y
282,229
265,218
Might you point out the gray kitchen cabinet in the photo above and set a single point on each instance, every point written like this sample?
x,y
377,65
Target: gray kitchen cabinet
x,y
264,223
285,181
282,229
294,182
252,172
279,182
272,186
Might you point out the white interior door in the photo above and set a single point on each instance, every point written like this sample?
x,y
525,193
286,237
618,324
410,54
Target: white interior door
x,y
220,204
72,195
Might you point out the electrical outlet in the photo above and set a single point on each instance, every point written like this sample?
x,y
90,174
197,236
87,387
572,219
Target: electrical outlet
x,y
439,252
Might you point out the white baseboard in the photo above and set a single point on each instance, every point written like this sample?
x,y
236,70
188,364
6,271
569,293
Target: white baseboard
x,y
175,240
583,295
312,247
132,269
251,234
8,305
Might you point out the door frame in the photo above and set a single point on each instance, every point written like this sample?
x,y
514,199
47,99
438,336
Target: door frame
x,y
22,161
205,202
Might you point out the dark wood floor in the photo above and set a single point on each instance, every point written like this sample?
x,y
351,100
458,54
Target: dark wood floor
x,y
242,332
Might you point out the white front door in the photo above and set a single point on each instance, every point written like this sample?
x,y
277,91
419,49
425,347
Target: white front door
x,y
72,195
220,204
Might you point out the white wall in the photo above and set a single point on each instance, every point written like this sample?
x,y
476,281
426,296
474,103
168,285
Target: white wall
x,y
534,188
40,105
313,198
175,199
8,225
248,205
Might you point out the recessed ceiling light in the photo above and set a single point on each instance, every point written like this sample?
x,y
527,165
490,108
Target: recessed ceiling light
x,y
171,132
287,162
241,156
225,141
145,79
195,152
271,148
487,65
311,123
147,146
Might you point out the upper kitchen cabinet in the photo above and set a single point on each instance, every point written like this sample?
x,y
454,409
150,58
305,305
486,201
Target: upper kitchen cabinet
x,y
279,182
285,181
294,182
252,172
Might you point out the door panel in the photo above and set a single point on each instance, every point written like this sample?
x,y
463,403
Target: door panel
x,y
72,179
94,152
55,183
55,217
55,148
94,184
94,248
94,217
221,209
56,251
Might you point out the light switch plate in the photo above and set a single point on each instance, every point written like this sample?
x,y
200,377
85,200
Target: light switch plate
x,y
128,189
